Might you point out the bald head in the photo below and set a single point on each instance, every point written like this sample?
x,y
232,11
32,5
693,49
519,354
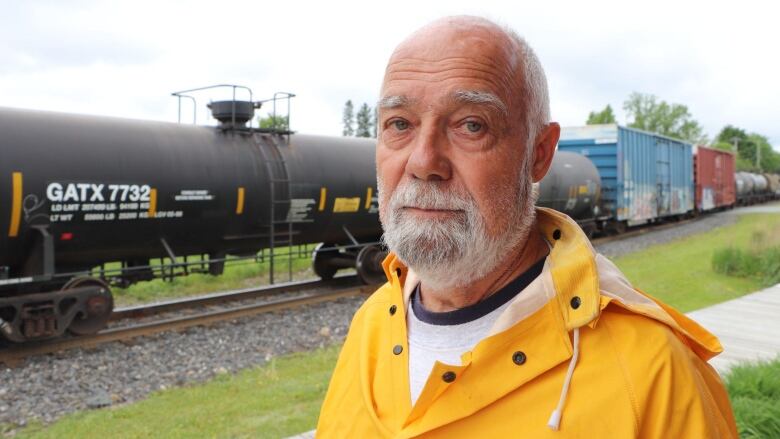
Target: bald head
x,y
455,35
467,45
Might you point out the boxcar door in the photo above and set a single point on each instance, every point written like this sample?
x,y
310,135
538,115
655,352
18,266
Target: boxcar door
x,y
720,187
663,176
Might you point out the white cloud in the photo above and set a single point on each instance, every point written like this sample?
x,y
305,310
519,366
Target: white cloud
x,y
124,58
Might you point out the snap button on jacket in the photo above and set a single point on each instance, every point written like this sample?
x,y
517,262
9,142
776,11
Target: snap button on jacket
x,y
641,369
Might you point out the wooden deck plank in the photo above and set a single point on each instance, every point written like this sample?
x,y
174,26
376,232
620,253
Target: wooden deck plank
x,y
748,327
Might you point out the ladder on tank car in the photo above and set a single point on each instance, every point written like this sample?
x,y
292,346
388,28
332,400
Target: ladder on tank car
x,y
280,195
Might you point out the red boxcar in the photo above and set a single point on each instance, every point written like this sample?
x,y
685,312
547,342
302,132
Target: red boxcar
x,y
714,177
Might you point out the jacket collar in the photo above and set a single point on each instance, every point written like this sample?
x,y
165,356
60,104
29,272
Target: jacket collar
x,y
571,264
536,324
573,288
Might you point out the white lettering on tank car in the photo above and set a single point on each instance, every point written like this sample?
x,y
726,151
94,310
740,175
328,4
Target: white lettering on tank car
x,y
109,202
300,209
193,195
54,192
95,192
15,280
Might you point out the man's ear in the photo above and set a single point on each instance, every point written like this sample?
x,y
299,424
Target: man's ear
x,y
544,148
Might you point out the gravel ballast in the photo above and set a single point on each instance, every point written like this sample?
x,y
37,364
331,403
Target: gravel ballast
x,y
47,387
622,247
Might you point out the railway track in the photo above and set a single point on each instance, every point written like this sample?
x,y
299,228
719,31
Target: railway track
x,y
641,230
138,311
323,291
205,314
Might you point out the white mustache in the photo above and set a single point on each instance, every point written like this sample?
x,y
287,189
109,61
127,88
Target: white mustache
x,y
420,195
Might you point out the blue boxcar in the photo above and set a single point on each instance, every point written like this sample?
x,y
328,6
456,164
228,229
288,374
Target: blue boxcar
x,y
644,176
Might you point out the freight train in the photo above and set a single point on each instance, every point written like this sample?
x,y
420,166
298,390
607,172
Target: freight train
x,y
77,192
647,177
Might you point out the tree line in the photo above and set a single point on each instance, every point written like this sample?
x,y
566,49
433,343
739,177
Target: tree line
x,y
362,124
646,112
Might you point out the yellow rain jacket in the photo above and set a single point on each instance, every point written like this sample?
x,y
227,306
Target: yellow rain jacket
x,y
578,353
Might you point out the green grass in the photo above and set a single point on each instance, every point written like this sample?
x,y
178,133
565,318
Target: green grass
x,y
760,262
279,399
283,398
754,390
238,274
680,273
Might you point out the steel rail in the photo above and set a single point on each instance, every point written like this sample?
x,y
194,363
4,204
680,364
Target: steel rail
x,y
14,355
642,230
145,310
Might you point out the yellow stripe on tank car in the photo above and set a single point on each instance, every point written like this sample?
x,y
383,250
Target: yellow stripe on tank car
x,y
240,201
323,198
369,192
152,203
16,205
346,205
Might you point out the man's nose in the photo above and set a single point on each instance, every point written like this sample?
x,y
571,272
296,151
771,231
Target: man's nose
x,y
428,159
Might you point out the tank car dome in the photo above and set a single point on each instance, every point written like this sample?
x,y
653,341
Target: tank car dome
x,y
230,112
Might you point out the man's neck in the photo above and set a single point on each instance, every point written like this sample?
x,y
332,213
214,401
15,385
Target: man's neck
x,y
518,261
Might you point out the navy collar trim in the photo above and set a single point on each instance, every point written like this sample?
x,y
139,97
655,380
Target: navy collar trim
x,y
479,309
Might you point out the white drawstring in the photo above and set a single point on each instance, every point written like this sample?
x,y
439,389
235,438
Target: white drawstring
x,y
555,417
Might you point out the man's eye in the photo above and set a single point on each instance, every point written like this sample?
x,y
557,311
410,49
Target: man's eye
x,y
473,127
400,125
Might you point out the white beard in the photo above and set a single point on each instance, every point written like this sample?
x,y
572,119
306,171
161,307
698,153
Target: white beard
x,y
458,250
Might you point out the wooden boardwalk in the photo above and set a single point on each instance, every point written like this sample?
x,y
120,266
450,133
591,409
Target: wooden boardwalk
x,y
748,327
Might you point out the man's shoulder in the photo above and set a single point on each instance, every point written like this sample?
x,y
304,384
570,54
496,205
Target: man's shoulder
x,y
653,357
641,337
663,374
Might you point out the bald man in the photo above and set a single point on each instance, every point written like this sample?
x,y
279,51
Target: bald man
x,y
499,319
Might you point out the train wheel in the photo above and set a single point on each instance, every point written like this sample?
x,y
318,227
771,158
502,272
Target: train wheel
x,y
369,264
321,261
97,310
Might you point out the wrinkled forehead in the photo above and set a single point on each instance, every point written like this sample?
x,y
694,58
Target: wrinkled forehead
x,y
459,36
447,56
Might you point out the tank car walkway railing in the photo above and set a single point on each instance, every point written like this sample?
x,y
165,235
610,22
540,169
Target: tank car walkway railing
x,y
747,327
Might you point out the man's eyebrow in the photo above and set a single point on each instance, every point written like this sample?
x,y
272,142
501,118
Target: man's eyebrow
x,y
393,102
480,98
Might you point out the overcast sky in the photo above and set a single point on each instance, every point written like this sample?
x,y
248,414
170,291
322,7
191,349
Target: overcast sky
x,y
124,58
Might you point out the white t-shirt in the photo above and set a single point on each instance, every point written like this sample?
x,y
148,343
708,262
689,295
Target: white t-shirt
x,y
446,336
429,343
